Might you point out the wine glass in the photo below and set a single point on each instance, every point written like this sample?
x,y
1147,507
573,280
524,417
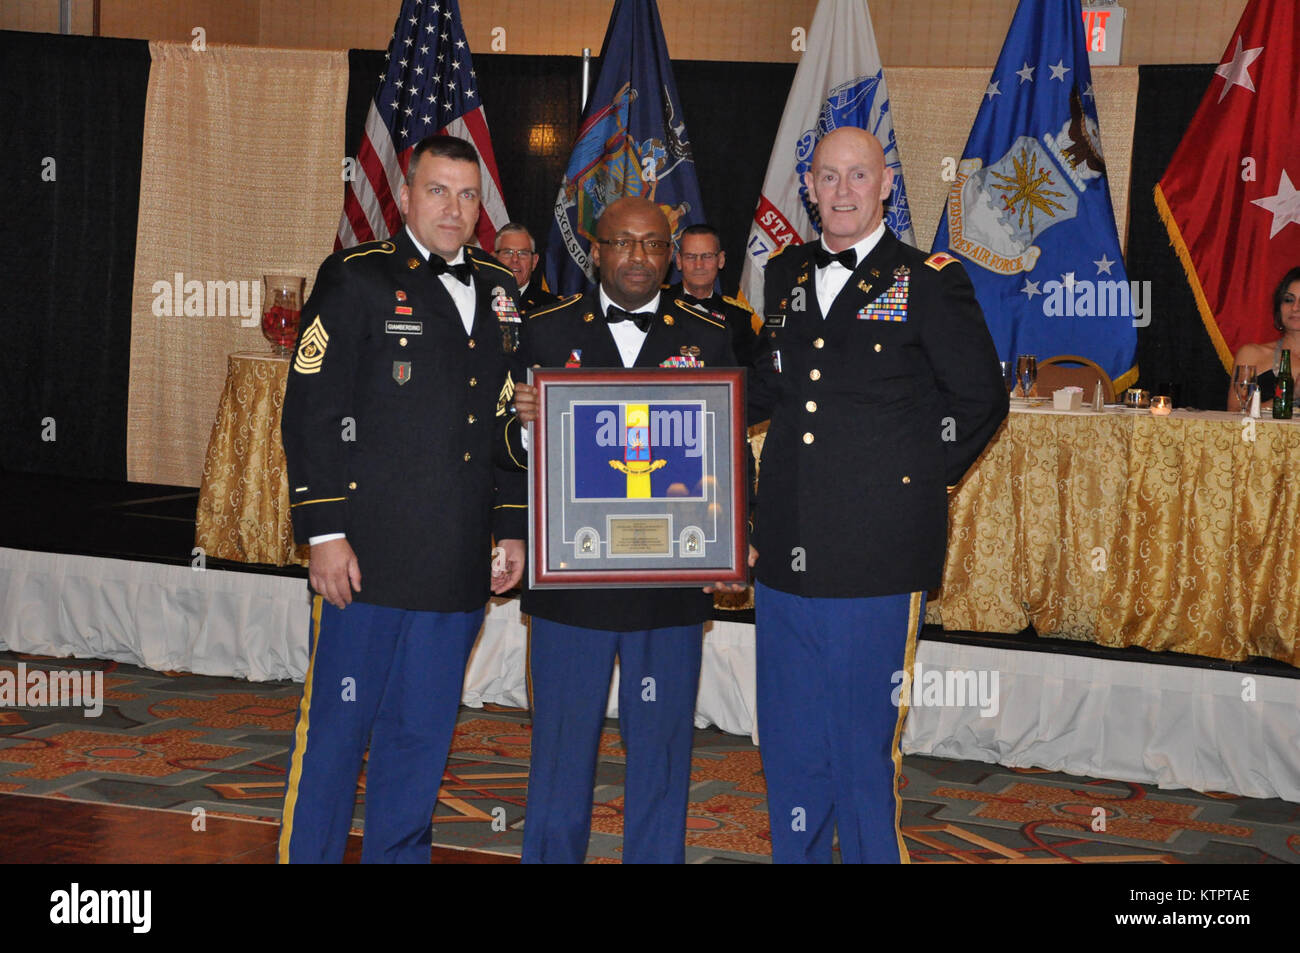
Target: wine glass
x,y
1008,374
1244,382
1027,373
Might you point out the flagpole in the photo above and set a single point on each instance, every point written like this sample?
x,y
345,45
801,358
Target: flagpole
x,y
586,75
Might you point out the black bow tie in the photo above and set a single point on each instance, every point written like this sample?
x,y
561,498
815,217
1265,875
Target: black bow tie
x,y
848,258
460,272
641,319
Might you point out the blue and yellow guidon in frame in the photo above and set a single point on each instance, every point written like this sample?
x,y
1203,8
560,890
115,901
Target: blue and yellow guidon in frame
x,y
635,451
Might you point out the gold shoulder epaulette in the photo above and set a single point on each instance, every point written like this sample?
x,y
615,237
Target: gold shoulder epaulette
x,y
563,302
940,260
697,313
737,303
481,257
370,248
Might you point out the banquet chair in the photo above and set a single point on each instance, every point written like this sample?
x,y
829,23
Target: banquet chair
x,y
1072,370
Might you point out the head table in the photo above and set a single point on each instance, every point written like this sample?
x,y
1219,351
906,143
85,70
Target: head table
x,y
1122,528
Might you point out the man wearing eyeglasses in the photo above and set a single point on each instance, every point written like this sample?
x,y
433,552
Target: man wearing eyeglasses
x,y
699,258
516,250
656,634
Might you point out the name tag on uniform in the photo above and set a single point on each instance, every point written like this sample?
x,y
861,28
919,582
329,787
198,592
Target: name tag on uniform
x,y
403,327
774,321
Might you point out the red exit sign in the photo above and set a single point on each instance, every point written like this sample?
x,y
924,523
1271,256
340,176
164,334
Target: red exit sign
x,y
1094,25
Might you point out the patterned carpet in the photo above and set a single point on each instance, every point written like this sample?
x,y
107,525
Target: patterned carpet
x,y
180,741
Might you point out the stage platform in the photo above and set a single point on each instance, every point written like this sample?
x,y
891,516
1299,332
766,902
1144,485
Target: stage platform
x,y
96,569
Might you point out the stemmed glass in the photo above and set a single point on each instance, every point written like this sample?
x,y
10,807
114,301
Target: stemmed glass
x,y
1008,374
1244,383
1026,373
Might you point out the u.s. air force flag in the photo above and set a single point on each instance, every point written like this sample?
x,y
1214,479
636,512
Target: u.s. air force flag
x,y
1030,212
839,82
632,141
630,451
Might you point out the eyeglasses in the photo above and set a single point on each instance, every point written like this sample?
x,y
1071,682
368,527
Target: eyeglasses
x,y
514,253
707,257
651,246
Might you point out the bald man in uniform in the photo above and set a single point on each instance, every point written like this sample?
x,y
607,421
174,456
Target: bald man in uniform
x,y
656,634
882,384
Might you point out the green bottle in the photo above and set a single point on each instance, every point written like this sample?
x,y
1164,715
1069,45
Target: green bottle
x,y
1284,390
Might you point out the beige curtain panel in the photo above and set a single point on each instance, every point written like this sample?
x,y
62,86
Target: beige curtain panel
x,y
243,153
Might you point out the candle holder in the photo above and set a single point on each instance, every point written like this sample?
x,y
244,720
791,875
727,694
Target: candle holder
x,y
1162,405
282,309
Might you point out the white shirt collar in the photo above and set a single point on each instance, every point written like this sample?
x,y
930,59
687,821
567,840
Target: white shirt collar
x,y
863,248
424,252
651,306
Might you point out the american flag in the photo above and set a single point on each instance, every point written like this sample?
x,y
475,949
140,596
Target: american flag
x,y
429,86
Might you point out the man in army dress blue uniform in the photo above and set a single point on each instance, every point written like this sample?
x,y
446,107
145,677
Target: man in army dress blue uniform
x,y
882,384
393,416
656,634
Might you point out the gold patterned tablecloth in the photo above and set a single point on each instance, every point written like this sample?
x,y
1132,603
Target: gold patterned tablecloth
x,y
1124,529
244,499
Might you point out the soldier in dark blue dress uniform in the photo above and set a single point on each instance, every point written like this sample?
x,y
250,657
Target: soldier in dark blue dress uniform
x,y
656,634
394,414
882,384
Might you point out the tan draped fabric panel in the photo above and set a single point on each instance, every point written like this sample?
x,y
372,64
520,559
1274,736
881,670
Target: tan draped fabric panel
x,y
1174,534
243,151
933,112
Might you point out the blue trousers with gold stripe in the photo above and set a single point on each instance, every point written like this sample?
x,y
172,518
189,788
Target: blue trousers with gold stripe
x,y
570,671
392,679
827,725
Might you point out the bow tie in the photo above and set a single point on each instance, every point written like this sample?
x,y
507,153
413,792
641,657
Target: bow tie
x,y
848,258
460,272
691,299
641,319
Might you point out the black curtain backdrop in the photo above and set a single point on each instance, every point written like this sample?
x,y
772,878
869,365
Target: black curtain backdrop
x,y
67,248
533,106
1175,346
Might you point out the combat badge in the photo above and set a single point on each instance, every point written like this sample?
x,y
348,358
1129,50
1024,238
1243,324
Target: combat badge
x,y
401,371
311,349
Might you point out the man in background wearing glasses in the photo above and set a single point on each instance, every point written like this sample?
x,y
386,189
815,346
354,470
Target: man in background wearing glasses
x,y
655,633
516,249
699,258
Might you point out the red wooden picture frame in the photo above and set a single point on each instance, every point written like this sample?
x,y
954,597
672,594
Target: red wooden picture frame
x,y
544,575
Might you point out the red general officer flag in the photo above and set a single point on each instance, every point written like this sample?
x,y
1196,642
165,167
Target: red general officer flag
x,y
1229,197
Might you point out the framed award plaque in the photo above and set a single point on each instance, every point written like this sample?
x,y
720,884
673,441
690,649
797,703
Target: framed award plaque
x,y
637,478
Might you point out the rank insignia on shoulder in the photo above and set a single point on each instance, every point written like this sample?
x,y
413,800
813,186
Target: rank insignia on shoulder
x,y
575,358
940,260
311,349
401,371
